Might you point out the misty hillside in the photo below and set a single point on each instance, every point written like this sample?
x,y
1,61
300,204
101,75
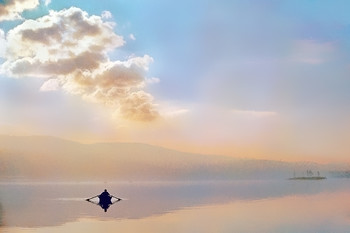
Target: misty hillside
x,y
47,158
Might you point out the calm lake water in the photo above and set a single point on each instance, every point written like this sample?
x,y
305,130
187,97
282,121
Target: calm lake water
x,y
237,206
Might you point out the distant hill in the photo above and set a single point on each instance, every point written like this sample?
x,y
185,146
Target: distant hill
x,y
50,158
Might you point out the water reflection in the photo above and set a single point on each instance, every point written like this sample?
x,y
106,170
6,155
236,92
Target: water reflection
x,y
1,215
40,205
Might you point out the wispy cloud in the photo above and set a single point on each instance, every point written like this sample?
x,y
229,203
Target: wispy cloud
x,y
312,52
106,15
152,80
12,9
70,48
251,113
132,37
176,112
47,2
50,85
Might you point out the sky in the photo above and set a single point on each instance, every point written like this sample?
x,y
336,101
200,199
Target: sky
x,y
263,79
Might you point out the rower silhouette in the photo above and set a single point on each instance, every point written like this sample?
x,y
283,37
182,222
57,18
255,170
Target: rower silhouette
x,y
105,200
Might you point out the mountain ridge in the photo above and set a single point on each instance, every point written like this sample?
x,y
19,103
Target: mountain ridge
x,y
53,158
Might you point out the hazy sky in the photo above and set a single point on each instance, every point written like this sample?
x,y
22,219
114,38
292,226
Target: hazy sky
x,y
258,78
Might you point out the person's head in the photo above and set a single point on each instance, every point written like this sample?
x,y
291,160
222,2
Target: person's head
x,y
105,190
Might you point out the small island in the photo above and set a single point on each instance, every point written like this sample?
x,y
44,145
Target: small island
x,y
309,176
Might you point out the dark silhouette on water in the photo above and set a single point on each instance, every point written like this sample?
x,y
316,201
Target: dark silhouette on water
x,y
105,200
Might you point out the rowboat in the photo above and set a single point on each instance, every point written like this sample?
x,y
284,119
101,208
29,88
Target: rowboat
x,y
105,200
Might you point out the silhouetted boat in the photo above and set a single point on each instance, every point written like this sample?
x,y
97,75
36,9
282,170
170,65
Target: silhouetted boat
x,y
105,200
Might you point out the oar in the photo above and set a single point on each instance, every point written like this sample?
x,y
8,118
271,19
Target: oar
x,y
119,199
92,202
88,199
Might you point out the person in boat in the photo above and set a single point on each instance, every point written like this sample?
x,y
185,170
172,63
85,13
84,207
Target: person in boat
x,y
104,195
105,200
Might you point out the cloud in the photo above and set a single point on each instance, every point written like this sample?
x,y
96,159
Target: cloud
x,y
61,35
11,9
152,80
116,84
70,48
258,114
176,112
312,52
106,15
50,85
138,106
132,37
47,2
2,43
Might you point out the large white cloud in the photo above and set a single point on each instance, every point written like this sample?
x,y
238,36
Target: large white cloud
x,y
69,48
61,35
11,9
2,43
116,84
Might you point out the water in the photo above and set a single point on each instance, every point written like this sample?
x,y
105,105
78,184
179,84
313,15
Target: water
x,y
160,207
